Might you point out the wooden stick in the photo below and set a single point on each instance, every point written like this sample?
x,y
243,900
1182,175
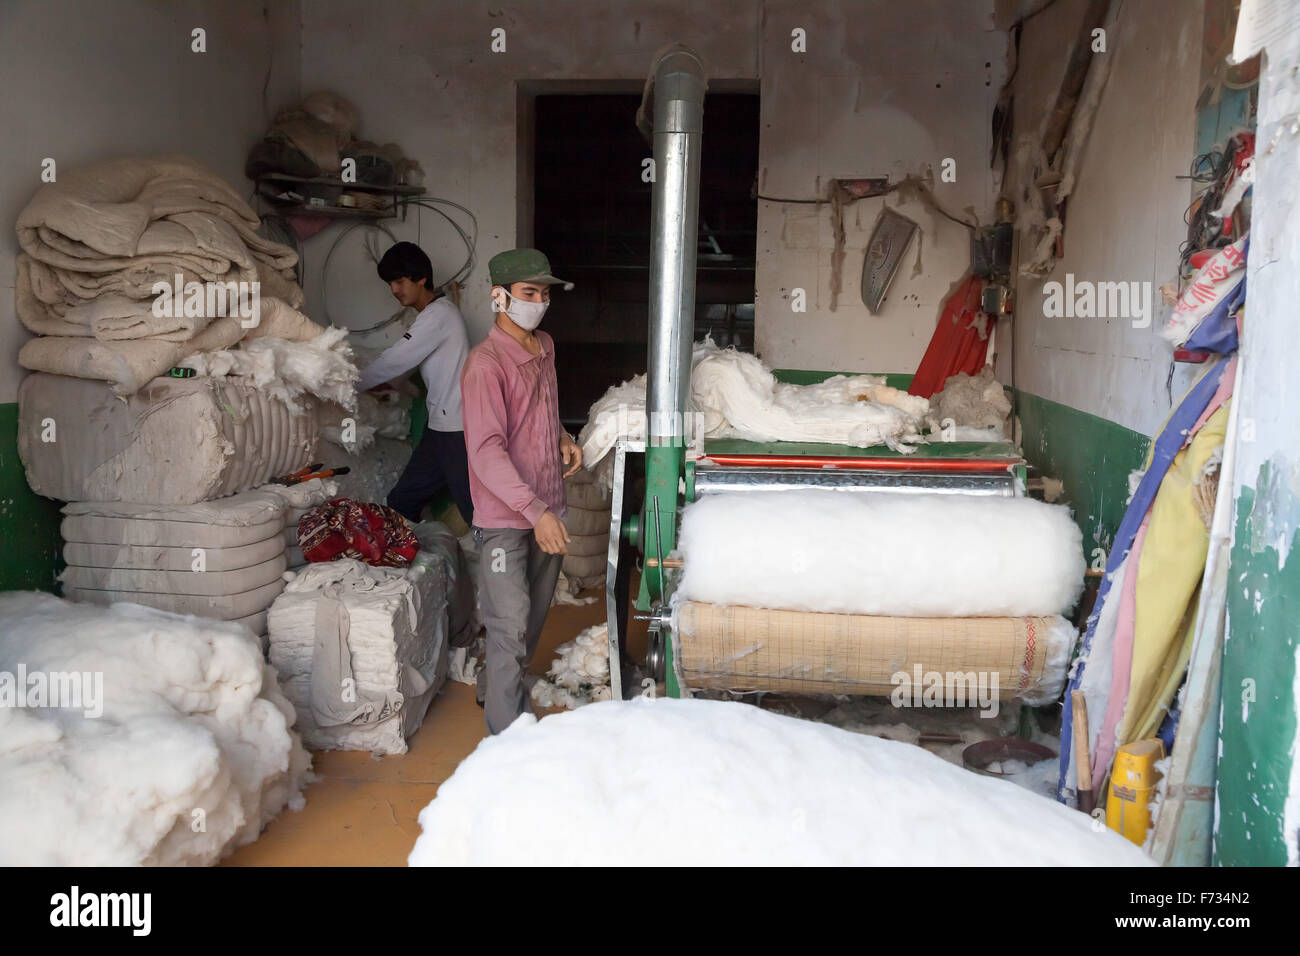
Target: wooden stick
x,y
668,563
1087,800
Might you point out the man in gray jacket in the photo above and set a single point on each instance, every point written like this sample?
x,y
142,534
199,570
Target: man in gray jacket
x,y
438,344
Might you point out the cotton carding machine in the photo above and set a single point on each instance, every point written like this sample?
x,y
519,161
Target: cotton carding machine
x,y
692,646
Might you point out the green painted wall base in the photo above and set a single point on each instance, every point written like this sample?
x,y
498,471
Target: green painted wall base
x,y
32,554
1258,725
1091,456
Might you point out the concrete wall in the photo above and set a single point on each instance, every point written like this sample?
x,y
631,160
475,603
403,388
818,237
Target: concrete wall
x,y
883,89
1125,217
86,81
423,75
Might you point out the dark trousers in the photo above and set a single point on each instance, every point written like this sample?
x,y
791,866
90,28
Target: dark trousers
x,y
439,462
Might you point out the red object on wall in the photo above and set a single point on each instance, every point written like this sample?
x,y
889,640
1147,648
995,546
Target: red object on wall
x,y
956,345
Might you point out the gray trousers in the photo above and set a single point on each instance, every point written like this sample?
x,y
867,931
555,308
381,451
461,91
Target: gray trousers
x,y
516,581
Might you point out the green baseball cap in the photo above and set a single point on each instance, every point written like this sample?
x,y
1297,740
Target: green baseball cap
x,y
522,265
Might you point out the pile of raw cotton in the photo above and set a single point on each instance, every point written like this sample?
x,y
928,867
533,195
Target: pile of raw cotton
x,y
580,672
288,370
175,750
970,408
736,396
122,264
694,782
385,414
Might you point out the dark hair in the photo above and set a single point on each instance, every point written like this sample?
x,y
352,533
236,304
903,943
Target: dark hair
x,y
406,260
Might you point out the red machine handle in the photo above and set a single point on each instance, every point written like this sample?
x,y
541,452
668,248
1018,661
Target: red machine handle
x,y
963,465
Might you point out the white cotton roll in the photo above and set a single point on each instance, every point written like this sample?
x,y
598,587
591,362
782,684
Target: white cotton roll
x,y
886,554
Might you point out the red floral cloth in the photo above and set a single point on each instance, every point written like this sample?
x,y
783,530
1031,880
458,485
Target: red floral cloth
x,y
343,528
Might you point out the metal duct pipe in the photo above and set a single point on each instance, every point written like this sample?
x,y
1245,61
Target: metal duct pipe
x,y
678,97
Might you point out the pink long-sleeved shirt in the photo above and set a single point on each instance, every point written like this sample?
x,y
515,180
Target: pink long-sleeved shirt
x,y
511,409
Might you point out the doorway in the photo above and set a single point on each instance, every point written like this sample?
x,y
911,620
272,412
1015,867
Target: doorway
x,y
591,216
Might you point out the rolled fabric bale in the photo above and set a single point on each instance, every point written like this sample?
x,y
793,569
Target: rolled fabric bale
x,y
585,570
188,581
222,607
130,556
594,545
581,521
582,491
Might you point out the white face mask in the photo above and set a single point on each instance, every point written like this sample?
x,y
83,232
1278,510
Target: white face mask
x,y
526,315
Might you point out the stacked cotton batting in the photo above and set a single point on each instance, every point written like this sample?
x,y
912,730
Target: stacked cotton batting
x,y
362,650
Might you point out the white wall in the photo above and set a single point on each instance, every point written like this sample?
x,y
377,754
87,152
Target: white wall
x,y
89,80
423,76
1125,218
885,88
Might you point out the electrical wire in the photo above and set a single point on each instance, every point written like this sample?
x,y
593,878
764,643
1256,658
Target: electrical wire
x,y
808,201
1211,169
471,241
371,243
325,271
926,195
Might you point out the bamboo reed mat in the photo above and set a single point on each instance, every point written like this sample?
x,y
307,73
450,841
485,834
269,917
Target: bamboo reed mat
x,y
745,648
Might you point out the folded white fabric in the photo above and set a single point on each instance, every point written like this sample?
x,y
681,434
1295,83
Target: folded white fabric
x,y
188,581
164,558
191,751
220,607
93,216
176,441
129,364
383,629
883,554
97,242
222,559
254,510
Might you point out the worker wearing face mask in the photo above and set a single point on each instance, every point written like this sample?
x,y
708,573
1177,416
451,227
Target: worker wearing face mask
x,y
519,456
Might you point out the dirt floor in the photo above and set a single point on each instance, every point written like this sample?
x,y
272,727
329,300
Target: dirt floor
x,y
362,811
